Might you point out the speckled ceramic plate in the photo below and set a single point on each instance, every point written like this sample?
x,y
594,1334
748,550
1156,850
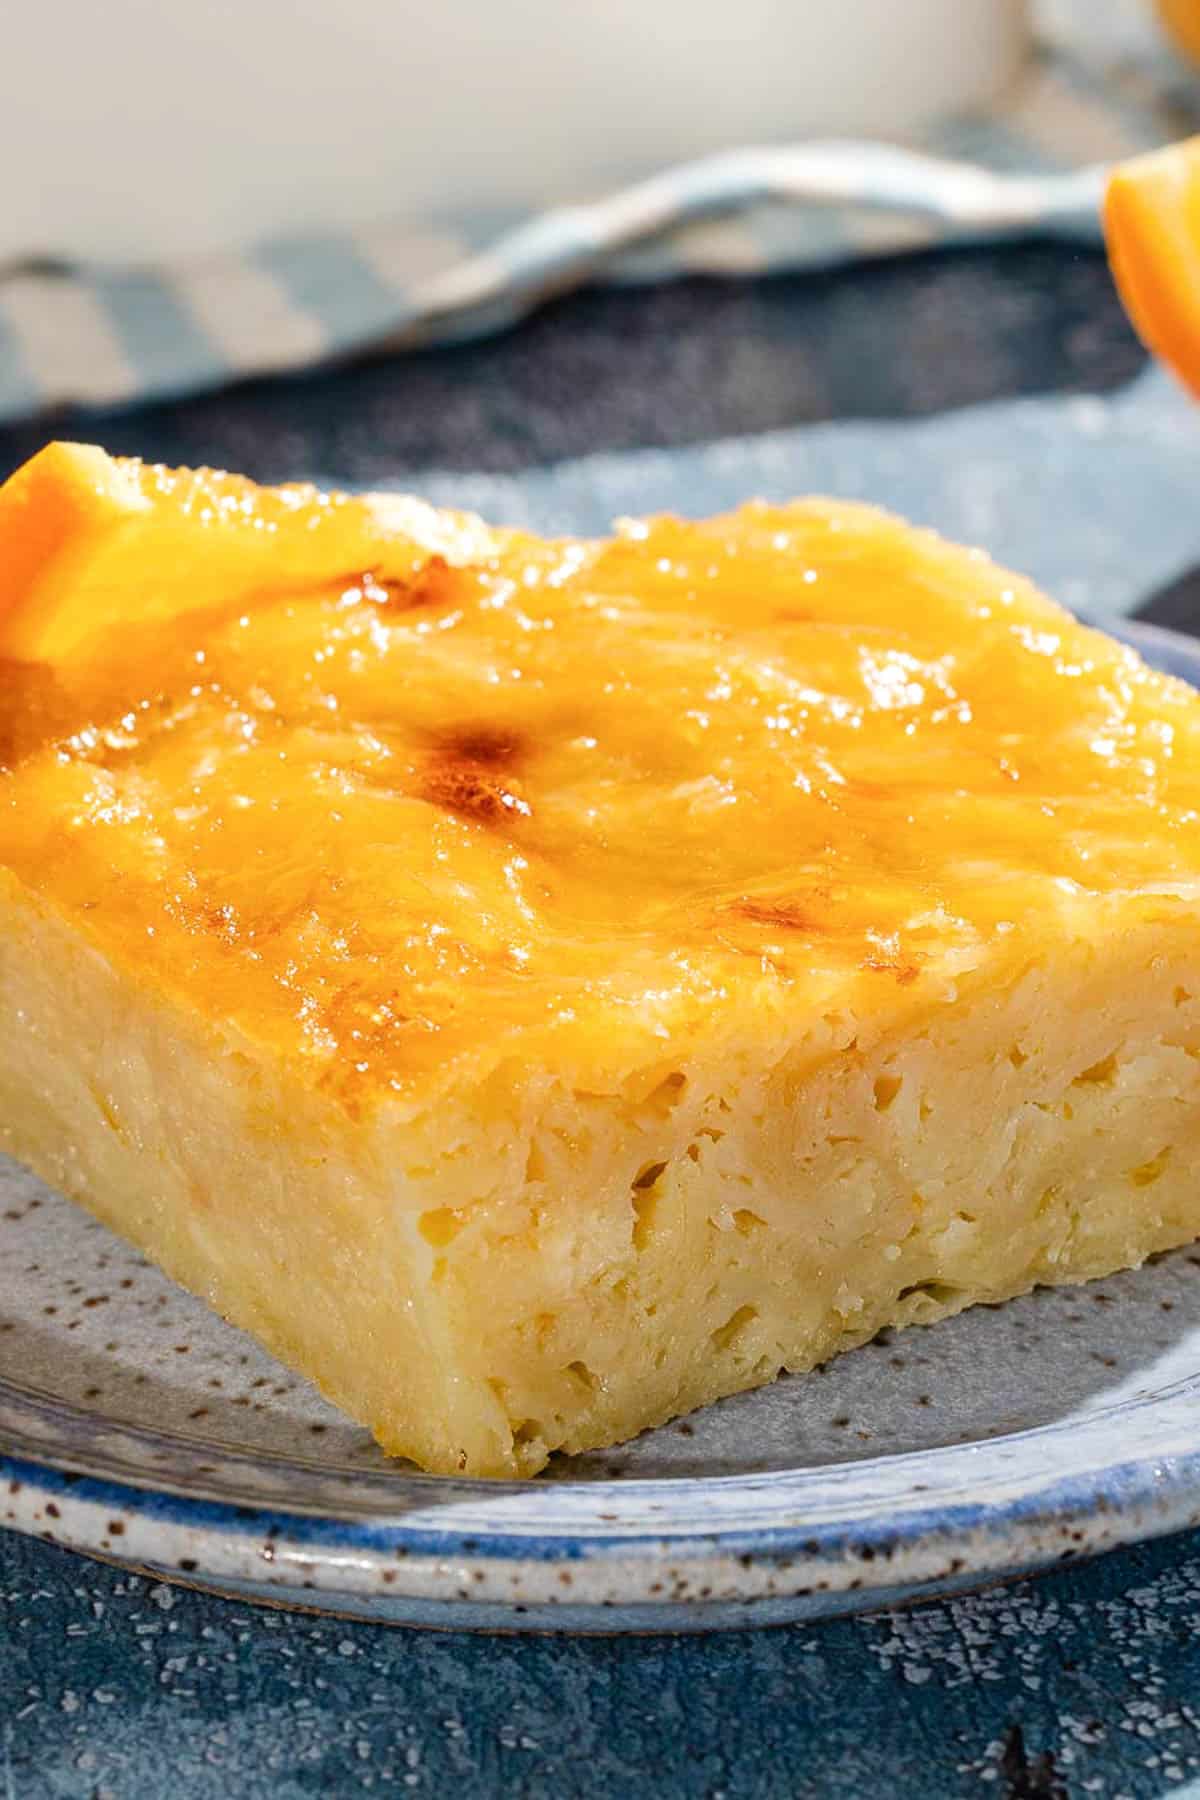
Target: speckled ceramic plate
x,y
136,1426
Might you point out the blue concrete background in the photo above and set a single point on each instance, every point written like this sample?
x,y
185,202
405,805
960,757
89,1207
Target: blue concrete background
x,y
113,1687
1083,1682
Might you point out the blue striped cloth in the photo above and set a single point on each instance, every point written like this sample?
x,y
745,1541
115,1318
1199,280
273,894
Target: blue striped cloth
x,y
94,336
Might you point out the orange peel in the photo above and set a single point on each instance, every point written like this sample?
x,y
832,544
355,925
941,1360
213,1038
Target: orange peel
x,y
1152,228
1181,19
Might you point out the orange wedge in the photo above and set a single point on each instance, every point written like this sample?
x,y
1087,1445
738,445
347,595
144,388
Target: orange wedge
x,y
1182,20
98,546
1152,225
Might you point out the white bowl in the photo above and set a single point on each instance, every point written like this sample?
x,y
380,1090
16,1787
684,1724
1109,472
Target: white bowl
x,y
141,129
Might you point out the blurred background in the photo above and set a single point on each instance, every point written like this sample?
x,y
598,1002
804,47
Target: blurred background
x,y
181,129
195,196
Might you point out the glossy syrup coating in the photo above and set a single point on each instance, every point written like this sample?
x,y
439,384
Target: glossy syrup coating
x,y
589,805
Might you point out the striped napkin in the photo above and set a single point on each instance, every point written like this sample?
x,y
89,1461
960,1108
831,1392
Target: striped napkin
x,y
91,336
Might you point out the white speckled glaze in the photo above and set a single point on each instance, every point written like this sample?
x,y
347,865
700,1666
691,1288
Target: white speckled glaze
x,y
136,1426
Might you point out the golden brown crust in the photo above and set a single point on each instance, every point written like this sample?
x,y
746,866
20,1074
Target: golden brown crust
x,y
573,803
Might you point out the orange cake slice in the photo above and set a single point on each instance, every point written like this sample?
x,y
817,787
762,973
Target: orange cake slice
x,y
541,987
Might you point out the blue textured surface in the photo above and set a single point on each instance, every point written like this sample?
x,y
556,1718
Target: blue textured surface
x,y
1083,1683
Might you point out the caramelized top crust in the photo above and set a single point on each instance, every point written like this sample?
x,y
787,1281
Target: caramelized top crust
x,y
593,806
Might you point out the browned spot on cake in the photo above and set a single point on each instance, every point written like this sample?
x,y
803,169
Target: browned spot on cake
x,y
435,584
220,922
483,746
471,774
905,969
35,708
787,914
475,793
358,1017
